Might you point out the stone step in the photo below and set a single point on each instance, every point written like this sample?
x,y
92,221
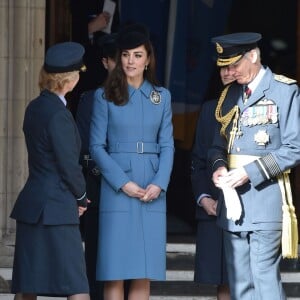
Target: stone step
x,y
179,284
191,289
11,297
186,262
180,291
179,275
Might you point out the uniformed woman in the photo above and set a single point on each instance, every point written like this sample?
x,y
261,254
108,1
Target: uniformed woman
x,y
49,256
132,143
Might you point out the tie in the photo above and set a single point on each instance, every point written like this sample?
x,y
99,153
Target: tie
x,y
247,93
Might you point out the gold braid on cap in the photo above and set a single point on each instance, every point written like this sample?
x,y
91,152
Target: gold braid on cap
x,y
225,120
221,62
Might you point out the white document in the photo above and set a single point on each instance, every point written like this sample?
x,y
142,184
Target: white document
x,y
109,6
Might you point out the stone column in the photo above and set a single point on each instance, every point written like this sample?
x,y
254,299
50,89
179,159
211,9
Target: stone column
x,y
22,44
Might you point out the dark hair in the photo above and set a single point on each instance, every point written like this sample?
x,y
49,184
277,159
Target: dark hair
x,y
107,45
116,86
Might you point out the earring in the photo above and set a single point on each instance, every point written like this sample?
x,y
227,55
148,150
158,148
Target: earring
x,y
146,68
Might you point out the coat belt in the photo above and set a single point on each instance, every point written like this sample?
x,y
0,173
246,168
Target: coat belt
x,y
134,147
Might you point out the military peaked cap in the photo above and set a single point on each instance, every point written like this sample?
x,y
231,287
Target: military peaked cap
x,y
231,47
64,57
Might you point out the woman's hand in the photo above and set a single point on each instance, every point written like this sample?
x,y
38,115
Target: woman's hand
x,y
81,210
152,192
133,190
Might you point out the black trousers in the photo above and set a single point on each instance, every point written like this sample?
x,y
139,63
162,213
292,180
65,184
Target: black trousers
x,y
90,235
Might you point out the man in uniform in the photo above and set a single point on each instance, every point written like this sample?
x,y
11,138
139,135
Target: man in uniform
x,y
88,22
257,141
107,49
209,265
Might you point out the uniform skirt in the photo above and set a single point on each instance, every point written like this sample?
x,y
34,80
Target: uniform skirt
x,y
49,260
210,264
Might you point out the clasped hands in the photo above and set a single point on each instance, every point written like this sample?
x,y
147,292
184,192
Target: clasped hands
x,y
233,178
132,189
227,182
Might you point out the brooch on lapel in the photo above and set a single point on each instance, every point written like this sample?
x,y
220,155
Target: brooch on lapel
x,y
155,97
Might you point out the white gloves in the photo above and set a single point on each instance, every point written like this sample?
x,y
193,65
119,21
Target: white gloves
x,y
232,202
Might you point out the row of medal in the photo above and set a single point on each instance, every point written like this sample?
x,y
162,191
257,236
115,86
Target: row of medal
x,y
259,115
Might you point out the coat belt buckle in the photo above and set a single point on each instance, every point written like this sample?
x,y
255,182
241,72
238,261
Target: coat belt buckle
x,y
140,147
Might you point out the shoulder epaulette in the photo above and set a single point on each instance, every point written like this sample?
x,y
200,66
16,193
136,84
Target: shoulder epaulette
x,y
284,79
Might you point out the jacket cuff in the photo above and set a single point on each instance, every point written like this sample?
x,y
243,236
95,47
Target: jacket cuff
x,y
82,201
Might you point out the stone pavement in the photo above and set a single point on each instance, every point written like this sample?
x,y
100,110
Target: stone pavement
x,y
179,284
180,263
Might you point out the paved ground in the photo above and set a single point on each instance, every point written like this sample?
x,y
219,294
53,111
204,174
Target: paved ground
x,y
180,260
10,297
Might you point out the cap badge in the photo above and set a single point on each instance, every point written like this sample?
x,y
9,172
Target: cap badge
x,y
83,68
219,48
155,97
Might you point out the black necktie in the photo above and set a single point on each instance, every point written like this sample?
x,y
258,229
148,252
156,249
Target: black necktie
x,y
247,93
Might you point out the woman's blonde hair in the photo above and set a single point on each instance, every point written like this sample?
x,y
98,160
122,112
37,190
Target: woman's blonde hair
x,y
55,81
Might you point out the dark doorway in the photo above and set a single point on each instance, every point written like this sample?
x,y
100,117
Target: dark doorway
x,y
275,19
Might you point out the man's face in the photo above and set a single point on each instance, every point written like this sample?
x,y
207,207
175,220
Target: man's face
x,y
245,69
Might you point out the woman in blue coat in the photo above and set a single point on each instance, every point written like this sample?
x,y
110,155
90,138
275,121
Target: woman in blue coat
x,y
132,143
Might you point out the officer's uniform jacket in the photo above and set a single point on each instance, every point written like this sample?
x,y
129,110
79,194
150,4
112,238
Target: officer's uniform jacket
x,y
209,263
55,180
200,173
83,120
269,127
90,170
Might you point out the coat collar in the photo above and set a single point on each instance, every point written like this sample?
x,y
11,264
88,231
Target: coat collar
x,y
261,88
55,98
146,88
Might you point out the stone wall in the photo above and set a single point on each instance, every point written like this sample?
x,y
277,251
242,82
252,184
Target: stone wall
x,y
22,44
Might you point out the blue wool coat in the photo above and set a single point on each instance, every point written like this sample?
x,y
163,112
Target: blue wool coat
x,y
132,234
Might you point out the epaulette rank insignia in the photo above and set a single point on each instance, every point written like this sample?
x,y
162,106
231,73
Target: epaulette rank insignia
x,y
284,79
